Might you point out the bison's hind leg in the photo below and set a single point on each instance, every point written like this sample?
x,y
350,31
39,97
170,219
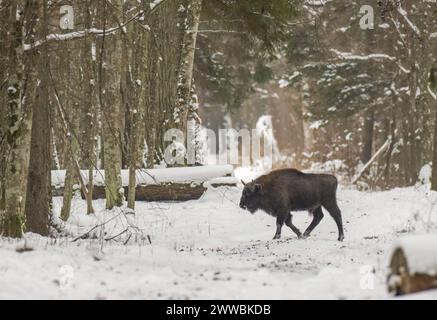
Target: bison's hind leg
x,y
335,213
288,222
317,216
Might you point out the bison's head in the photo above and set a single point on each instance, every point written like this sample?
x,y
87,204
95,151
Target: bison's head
x,y
251,197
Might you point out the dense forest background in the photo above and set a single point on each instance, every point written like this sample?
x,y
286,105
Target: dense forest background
x,y
97,84
337,91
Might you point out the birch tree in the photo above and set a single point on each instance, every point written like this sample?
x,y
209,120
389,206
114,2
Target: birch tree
x,y
188,49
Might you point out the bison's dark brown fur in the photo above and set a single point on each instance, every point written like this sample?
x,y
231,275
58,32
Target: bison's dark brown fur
x,y
282,191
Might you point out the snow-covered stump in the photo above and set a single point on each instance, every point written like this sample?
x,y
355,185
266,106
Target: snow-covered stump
x,y
413,265
167,184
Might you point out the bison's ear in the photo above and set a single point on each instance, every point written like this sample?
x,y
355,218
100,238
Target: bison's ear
x,y
258,187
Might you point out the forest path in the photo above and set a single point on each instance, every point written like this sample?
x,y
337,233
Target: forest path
x,y
211,249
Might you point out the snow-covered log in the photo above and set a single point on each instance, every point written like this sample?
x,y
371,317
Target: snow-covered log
x,y
168,184
413,265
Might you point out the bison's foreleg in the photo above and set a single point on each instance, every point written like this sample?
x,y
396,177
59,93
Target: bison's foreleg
x,y
289,223
279,223
317,216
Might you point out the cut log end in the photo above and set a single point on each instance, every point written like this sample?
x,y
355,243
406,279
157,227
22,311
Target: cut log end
x,y
402,281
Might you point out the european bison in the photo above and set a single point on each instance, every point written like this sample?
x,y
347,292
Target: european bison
x,y
282,191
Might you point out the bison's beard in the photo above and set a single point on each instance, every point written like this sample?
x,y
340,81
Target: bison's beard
x,y
252,209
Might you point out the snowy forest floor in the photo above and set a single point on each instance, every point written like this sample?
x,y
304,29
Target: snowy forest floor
x,y
211,249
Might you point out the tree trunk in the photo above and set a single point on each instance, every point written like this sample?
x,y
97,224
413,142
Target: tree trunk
x,y
166,38
89,104
411,167
19,120
369,120
4,16
126,91
38,199
185,76
109,86
307,131
72,114
390,131
136,110
69,178
434,157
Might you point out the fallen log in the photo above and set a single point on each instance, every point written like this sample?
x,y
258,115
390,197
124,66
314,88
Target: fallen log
x,y
158,192
173,184
413,265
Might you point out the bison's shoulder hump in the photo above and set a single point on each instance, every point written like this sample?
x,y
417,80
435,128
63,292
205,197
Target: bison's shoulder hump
x,y
280,173
286,171
289,171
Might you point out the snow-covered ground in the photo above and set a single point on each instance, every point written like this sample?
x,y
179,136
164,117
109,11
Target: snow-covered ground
x,y
211,249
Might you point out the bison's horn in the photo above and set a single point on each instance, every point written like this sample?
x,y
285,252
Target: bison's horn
x,y
244,183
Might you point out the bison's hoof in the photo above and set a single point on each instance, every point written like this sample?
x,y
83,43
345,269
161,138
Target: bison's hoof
x,y
341,238
276,237
304,236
